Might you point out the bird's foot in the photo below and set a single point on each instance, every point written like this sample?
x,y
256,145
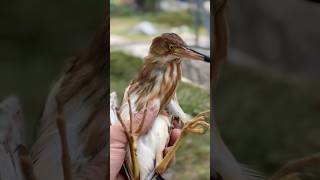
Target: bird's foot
x,y
197,125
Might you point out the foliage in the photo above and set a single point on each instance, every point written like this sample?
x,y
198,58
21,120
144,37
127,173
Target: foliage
x,y
121,10
147,5
176,18
172,19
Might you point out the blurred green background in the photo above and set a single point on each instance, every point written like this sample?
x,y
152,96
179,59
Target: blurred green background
x,y
36,37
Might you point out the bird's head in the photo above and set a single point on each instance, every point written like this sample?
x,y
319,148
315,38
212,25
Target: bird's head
x,y
170,47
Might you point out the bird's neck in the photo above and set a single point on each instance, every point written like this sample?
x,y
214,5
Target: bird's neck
x,y
156,80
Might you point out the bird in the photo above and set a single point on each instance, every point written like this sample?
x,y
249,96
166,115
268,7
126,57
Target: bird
x,y
156,83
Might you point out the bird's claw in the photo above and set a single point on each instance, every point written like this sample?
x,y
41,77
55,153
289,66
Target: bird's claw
x,y
204,114
198,125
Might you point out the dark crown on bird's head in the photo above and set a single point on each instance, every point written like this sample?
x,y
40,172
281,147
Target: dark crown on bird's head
x,y
165,43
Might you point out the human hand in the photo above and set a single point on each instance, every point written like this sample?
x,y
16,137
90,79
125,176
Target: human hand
x,y
118,139
175,134
150,114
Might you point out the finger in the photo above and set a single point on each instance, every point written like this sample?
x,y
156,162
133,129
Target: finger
x,y
175,124
151,115
165,151
118,144
175,134
138,116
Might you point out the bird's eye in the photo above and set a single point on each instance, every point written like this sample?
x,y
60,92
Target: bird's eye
x,y
171,47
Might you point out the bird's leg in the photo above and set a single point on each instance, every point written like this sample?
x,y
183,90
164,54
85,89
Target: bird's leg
x,y
132,139
196,126
132,147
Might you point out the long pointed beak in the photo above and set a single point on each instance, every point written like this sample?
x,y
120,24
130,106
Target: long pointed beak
x,y
194,55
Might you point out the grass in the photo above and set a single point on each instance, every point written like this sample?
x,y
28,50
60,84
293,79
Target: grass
x,y
193,159
267,120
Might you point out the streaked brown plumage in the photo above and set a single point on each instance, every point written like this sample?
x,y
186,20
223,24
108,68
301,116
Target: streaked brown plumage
x,y
159,77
